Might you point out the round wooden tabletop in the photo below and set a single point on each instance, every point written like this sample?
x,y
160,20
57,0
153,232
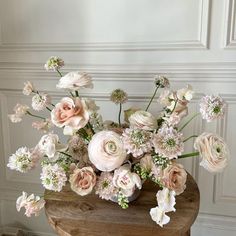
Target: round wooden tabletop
x,y
71,214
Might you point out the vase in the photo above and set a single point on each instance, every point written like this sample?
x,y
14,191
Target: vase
x,y
133,197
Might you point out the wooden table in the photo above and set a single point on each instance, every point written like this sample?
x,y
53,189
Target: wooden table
x,y
70,214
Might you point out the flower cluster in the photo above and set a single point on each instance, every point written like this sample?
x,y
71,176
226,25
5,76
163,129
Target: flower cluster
x,y
114,158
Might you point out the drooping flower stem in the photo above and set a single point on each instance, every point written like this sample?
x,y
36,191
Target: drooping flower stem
x,y
174,105
192,154
154,94
66,154
119,116
191,118
192,136
40,117
59,72
77,93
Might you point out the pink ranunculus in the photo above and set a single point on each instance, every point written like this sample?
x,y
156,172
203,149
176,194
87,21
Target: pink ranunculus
x,y
126,181
174,177
143,120
213,150
71,113
106,150
83,180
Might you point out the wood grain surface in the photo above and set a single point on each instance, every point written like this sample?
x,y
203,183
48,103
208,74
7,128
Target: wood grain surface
x,y
70,214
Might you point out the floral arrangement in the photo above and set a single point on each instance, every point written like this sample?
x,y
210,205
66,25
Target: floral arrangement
x,y
113,159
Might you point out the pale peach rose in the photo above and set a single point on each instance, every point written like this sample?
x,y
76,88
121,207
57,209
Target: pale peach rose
x,y
126,181
71,113
213,150
143,120
83,180
75,80
106,150
174,177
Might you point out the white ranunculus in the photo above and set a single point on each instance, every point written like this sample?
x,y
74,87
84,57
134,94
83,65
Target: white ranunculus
x,y
106,151
213,150
126,180
143,120
158,215
75,80
49,145
166,199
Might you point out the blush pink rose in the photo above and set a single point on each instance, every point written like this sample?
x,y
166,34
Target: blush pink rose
x,y
174,177
83,180
71,113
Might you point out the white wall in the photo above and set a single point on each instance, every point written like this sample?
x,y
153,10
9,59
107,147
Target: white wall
x,y
122,44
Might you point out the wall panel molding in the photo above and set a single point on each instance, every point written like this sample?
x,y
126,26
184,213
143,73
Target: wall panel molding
x,y
201,42
230,17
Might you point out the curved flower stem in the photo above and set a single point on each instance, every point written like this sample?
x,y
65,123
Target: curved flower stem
x,y
192,154
174,105
59,73
91,128
40,117
119,116
195,115
193,136
77,93
66,154
154,94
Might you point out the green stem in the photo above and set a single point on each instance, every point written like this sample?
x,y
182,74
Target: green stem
x,y
91,127
71,94
174,106
154,94
77,93
193,136
119,116
40,117
192,154
59,73
48,109
64,153
191,118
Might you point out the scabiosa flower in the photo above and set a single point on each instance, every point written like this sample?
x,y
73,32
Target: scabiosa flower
x,y
40,101
28,88
161,81
53,177
168,142
118,96
137,141
212,107
23,160
54,63
105,188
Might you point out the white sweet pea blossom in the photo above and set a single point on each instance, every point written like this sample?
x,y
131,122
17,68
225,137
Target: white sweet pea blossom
x,y
166,199
185,93
75,80
20,110
28,88
32,204
49,145
158,215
